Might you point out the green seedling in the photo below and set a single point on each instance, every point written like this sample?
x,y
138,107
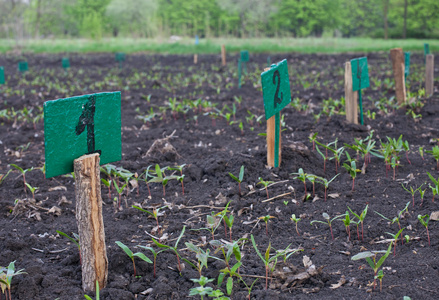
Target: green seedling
x,y
154,253
312,178
435,188
285,202
352,169
312,138
239,178
328,221
201,290
222,214
161,178
201,256
296,221
265,184
370,257
324,156
421,152
266,259
424,221
301,176
435,152
154,214
398,216
266,219
249,288
3,176
146,177
394,163
395,239
174,249
422,193
181,177
412,192
229,223
347,222
119,191
212,224
97,292
406,146
360,218
32,190
23,172
107,183
326,183
132,255
74,240
6,278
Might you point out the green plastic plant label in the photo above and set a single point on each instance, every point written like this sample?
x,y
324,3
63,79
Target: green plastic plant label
x,y
22,66
65,63
360,74
245,56
426,49
120,56
276,88
81,125
406,63
2,75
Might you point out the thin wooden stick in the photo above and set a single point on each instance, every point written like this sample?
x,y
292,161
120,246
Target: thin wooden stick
x,y
278,196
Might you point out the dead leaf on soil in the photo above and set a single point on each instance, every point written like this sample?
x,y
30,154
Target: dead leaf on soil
x,y
134,183
64,200
339,283
306,261
55,210
58,188
334,195
434,216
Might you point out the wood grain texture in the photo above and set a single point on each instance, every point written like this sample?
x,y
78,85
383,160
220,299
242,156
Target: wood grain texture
x,y
429,75
223,55
195,58
90,222
397,57
350,96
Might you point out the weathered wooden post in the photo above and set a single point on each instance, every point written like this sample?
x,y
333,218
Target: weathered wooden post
x,y
350,96
80,134
223,55
429,75
397,56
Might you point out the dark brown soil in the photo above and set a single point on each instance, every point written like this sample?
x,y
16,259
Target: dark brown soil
x,y
210,149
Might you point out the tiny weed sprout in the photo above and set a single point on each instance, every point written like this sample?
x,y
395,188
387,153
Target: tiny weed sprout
x,y
119,191
201,290
347,222
398,217
97,292
296,221
266,219
32,190
265,184
395,239
23,172
422,193
301,176
421,152
239,178
412,192
181,177
326,183
155,214
266,259
435,188
435,152
312,139
351,168
132,255
372,262
229,222
424,221
312,178
6,275
74,240
328,221
360,220
3,176
174,249
154,253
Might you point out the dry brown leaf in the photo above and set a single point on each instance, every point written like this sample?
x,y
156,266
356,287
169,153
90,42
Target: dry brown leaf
x,y
58,188
306,261
434,216
55,210
334,195
339,283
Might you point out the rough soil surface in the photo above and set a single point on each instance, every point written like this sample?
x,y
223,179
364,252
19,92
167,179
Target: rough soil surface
x,y
210,149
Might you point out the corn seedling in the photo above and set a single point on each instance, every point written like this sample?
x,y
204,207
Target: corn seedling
x,y
174,249
23,172
154,214
119,191
412,192
6,275
301,176
296,221
326,183
265,184
266,219
161,177
74,240
395,239
328,221
181,177
360,218
347,222
352,169
132,255
239,178
435,188
154,253
424,221
371,257
435,152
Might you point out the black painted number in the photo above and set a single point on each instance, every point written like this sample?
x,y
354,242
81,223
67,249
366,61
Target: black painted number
x,y
277,100
87,120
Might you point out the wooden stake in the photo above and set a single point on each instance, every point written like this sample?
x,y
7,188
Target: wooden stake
x,y
429,75
397,56
350,96
90,222
195,58
223,55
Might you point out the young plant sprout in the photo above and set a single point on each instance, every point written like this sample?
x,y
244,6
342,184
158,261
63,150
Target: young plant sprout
x,y
328,221
360,218
312,138
154,253
6,278
266,219
312,178
326,183
181,177
406,147
265,184
132,255
229,222
435,152
119,191
421,152
146,177
422,192
424,221
249,288
74,240
201,256
412,192
222,214
23,172
397,218
301,176
347,222
394,163
161,178
352,169
87,297
372,262
201,290
395,239
435,188
154,214
296,221
32,190
3,176
239,178
212,224
324,156
107,183
174,249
